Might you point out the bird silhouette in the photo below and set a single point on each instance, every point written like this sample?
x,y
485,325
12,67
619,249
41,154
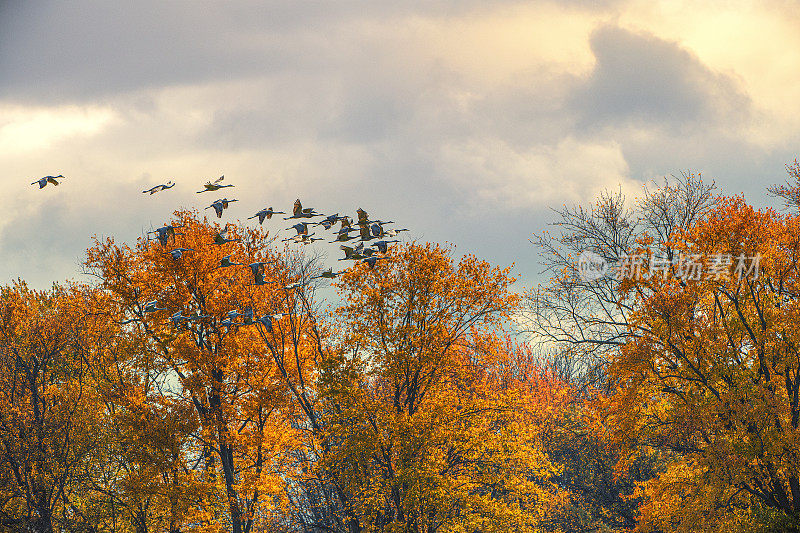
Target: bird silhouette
x,y
302,239
42,182
248,316
159,188
301,228
177,253
221,238
152,307
234,314
258,269
351,253
266,214
226,262
345,221
363,216
371,261
393,232
343,235
214,185
383,246
329,221
267,320
299,212
327,274
220,205
365,233
178,319
164,233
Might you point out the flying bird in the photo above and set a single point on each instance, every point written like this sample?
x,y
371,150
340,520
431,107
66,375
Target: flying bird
x,y
177,319
221,238
302,239
248,316
351,253
267,320
159,188
234,314
370,261
377,228
214,185
394,232
327,274
152,307
266,214
298,211
177,253
364,232
226,262
383,246
258,272
363,217
301,228
47,179
221,205
343,235
164,233
329,221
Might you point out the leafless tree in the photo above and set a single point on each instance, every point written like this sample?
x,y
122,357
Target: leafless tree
x,y
577,321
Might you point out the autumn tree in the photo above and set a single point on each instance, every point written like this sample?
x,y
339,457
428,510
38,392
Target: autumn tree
x,y
422,435
583,321
712,380
790,191
49,411
199,316
148,443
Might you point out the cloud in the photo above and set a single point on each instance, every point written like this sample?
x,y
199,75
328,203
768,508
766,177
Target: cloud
x,y
641,79
84,51
570,171
26,129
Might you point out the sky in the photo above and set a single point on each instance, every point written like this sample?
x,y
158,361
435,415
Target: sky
x,y
465,121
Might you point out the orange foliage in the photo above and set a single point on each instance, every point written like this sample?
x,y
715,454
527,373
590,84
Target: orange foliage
x,y
712,382
237,391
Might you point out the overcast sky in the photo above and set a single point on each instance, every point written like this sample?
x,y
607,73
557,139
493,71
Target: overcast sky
x,y
463,120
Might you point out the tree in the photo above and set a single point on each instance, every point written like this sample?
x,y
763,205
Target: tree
x,y
423,435
209,355
712,381
49,416
583,321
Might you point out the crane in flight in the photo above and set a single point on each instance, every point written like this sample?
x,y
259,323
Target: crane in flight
x,y
266,214
159,188
42,182
214,185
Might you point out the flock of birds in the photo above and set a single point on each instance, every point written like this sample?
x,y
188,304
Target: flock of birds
x,y
371,244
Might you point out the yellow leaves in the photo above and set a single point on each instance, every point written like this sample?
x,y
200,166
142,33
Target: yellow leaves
x,y
710,378
437,422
